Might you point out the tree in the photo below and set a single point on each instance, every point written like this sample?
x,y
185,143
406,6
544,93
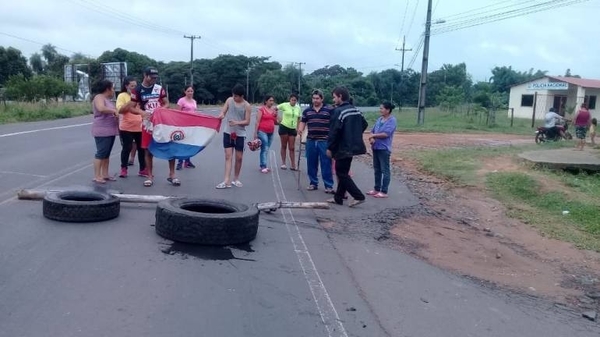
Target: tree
x,y
12,62
450,97
273,82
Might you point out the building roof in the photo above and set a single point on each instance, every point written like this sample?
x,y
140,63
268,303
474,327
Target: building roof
x,y
582,82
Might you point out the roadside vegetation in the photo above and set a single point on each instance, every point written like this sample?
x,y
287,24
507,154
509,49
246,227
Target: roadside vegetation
x,y
12,112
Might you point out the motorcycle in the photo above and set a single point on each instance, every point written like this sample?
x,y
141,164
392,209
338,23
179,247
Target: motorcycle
x,y
543,134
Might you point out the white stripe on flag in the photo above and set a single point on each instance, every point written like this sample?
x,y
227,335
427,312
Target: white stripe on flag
x,y
189,135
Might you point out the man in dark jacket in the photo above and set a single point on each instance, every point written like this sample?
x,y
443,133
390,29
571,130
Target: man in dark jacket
x,y
345,140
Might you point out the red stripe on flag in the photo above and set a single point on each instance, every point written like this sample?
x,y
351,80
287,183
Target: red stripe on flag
x,y
184,118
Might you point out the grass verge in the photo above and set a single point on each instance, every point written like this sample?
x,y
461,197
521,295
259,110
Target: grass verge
x,y
522,192
437,120
14,112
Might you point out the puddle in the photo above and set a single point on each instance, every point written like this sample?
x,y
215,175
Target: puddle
x,y
212,253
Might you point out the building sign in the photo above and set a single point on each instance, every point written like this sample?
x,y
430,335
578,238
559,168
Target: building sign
x,y
548,86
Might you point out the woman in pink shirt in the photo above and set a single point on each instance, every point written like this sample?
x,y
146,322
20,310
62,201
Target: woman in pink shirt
x,y
583,120
187,103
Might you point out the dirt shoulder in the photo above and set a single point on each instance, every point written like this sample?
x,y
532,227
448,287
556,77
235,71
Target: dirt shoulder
x,y
469,232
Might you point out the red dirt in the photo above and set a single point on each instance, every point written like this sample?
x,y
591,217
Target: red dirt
x,y
475,237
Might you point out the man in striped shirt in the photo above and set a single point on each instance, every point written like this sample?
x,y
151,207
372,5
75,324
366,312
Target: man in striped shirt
x,y
316,119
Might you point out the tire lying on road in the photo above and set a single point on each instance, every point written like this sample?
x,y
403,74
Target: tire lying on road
x,y
81,206
206,221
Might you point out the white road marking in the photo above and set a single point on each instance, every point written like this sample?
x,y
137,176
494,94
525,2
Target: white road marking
x,y
329,315
45,129
59,177
23,174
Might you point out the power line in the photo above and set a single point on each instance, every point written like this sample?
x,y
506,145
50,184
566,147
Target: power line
x,y
504,16
403,22
43,44
487,8
412,20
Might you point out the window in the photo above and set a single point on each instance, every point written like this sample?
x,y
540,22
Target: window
x,y
527,100
591,102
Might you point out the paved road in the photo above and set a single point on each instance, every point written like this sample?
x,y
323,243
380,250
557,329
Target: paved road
x,y
118,278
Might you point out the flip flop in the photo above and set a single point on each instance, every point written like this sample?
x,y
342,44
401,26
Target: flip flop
x,y
99,181
174,181
110,178
222,186
148,183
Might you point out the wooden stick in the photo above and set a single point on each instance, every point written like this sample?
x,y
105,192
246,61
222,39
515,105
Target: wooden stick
x,y
292,204
150,199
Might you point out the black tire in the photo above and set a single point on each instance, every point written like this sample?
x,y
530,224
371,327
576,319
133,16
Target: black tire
x,y
81,206
206,221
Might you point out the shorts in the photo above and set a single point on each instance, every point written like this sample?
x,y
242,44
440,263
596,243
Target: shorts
x,y
237,143
285,131
146,139
104,146
580,132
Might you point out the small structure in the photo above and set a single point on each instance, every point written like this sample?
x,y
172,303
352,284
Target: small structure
x,y
534,98
80,74
564,159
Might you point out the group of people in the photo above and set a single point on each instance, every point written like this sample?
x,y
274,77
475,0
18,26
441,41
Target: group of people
x,y
334,135
582,121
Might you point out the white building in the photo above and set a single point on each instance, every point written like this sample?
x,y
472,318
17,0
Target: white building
x,y
561,93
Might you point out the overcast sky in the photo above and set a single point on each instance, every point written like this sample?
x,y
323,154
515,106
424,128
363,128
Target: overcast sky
x,y
361,34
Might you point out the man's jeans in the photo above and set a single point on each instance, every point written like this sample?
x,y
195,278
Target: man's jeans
x,y
316,152
381,166
265,143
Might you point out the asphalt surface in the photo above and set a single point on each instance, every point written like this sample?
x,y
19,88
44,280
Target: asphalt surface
x,y
119,278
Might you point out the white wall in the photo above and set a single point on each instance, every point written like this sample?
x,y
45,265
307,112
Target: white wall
x,y
514,100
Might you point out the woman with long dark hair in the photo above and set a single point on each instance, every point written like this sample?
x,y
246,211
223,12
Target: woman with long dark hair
x,y
130,128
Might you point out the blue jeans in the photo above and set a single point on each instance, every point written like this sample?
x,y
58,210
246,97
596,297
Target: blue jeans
x,y
316,152
265,139
381,166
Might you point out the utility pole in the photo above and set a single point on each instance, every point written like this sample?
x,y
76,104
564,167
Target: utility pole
x,y
403,50
247,80
423,87
192,38
299,78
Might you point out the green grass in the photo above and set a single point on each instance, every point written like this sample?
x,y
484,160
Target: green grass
x,y
543,209
29,112
437,120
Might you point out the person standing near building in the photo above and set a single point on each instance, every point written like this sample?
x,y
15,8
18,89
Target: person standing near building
x,y
345,140
582,120
236,112
187,103
381,139
316,120
149,96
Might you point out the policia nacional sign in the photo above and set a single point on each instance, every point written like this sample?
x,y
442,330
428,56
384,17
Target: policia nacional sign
x,y
548,86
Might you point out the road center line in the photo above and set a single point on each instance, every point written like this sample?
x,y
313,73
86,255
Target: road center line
x,y
59,177
329,316
45,129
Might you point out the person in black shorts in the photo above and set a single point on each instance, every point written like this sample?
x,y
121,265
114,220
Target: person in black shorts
x,y
236,113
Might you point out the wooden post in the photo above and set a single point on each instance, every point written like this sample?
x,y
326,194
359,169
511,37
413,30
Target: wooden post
x,y
534,107
512,116
153,199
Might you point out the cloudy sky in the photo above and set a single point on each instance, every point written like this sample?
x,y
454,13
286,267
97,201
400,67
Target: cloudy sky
x,y
361,34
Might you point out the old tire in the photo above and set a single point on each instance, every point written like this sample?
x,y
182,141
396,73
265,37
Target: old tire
x,y
81,206
206,221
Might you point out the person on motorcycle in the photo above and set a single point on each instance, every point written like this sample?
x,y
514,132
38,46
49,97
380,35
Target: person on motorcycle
x,y
550,121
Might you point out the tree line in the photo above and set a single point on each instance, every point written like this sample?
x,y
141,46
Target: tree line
x,y
41,76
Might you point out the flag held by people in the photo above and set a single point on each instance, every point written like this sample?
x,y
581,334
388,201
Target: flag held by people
x,y
179,134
